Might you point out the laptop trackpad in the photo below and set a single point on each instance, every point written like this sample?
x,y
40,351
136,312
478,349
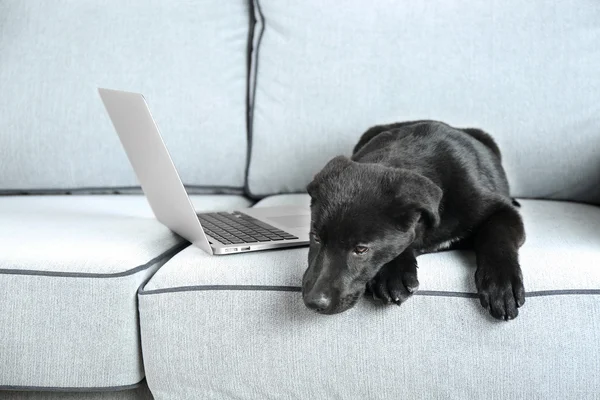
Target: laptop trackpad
x,y
292,221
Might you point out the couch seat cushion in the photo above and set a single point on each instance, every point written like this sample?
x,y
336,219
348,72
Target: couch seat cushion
x,y
70,267
235,326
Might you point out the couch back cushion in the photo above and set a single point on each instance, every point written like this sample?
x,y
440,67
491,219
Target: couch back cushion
x,y
527,71
188,58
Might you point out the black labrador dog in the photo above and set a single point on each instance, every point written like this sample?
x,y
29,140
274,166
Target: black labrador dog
x,y
412,188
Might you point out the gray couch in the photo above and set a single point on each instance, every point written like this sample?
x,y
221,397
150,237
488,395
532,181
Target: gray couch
x,y
253,98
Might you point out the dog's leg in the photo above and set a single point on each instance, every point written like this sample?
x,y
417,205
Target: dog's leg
x,y
498,277
397,280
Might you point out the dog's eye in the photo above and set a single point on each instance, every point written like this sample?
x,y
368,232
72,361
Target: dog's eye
x,y
316,239
360,250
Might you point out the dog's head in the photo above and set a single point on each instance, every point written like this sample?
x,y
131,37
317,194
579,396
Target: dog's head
x,y
363,216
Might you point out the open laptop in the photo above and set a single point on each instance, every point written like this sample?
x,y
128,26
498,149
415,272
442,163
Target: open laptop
x,y
250,229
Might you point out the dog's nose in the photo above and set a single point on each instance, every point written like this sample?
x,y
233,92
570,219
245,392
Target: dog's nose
x,y
318,302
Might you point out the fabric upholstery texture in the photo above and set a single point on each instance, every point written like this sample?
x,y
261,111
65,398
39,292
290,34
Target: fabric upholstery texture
x,y
139,393
259,341
70,268
526,71
187,58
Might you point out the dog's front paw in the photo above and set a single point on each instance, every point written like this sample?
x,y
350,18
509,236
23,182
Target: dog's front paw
x,y
393,284
501,292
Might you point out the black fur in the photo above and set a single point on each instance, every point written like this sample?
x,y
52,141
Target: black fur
x,y
409,189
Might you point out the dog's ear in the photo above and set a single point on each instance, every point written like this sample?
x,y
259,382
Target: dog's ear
x,y
332,168
418,193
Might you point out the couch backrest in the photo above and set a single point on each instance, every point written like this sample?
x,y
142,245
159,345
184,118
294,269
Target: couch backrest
x,y
188,58
321,74
527,71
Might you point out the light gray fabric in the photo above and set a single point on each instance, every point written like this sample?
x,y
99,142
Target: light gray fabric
x,y
70,268
524,70
187,58
266,345
297,200
90,234
140,393
258,341
70,332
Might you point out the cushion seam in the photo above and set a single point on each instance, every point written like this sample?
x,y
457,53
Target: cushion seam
x,y
251,100
72,388
432,293
166,254
107,188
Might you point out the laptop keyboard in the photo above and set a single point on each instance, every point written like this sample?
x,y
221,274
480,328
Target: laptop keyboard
x,y
238,228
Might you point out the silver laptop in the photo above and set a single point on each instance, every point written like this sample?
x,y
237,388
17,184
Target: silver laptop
x,y
231,232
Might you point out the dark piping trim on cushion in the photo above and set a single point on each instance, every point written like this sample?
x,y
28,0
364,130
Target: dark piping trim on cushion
x,y
165,255
434,293
251,288
253,55
71,389
116,190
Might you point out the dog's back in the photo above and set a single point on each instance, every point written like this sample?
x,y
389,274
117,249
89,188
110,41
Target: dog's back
x,y
464,163
449,156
